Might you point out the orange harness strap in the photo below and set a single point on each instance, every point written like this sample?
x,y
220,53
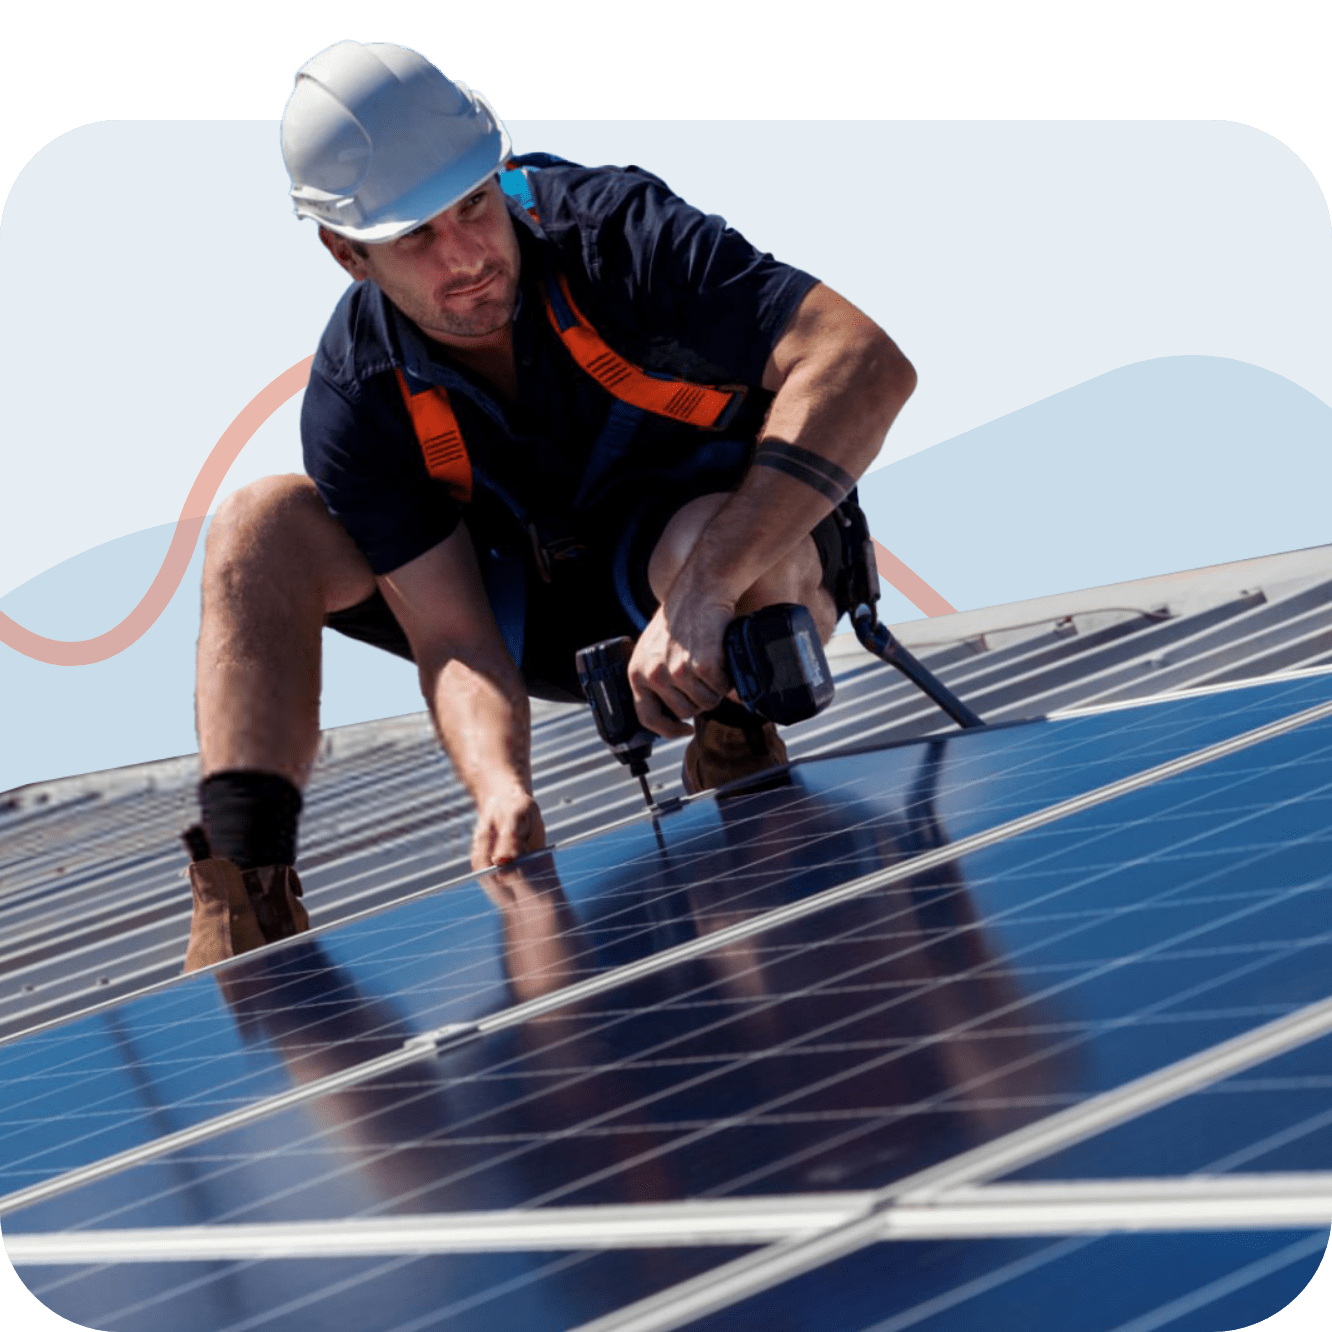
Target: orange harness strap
x,y
695,404
441,441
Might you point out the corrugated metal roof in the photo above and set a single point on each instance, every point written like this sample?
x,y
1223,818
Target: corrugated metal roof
x,y
93,903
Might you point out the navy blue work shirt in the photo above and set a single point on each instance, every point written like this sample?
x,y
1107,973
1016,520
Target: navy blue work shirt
x,y
668,287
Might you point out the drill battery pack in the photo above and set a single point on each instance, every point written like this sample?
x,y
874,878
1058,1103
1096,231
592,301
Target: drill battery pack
x,y
776,662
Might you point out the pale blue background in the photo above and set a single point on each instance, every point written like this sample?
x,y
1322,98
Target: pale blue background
x,y
1159,466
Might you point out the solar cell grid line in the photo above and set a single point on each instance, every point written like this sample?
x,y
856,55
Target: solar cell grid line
x,y
1302,1248
1032,1261
743,1180
394,886
150,929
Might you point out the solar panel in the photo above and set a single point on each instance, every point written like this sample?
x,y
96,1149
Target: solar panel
x,y
893,961
186,1038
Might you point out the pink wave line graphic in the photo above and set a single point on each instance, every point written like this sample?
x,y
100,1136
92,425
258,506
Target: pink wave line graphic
x,y
909,583
87,651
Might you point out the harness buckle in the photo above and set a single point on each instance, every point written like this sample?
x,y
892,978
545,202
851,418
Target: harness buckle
x,y
548,552
738,392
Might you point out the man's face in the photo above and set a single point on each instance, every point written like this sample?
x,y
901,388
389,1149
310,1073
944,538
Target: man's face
x,y
455,276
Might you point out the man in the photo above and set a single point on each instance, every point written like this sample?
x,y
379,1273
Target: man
x,y
558,405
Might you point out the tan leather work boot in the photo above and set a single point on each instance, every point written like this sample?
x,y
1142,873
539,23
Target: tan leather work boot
x,y
238,910
721,753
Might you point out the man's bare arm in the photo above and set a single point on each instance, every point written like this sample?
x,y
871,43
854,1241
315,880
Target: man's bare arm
x,y
475,693
840,382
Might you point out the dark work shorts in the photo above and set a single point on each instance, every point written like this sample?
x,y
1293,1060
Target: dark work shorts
x,y
607,598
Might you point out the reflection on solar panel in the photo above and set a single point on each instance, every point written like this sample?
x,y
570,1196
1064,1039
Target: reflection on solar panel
x,y
910,1039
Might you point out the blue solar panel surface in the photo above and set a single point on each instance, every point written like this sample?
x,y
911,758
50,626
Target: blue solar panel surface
x,y
542,1292
1276,1116
179,1056
1113,1283
846,1050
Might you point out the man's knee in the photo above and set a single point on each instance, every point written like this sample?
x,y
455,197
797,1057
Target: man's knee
x,y
259,512
798,577
277,529
678,538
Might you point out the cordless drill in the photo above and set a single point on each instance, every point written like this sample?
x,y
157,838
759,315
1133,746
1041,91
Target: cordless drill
x,y
774,659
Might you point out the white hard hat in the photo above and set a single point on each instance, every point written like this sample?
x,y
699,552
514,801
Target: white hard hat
x,y
377,140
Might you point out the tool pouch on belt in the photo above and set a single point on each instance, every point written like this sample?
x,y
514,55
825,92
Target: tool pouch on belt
x,y
858,577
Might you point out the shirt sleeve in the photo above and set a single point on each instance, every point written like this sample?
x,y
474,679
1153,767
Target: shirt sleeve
x,y
367,467
677,273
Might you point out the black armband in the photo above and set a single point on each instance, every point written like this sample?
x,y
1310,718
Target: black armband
x,y
831,481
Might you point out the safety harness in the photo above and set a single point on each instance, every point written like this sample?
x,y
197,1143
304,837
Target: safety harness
x,y
637,391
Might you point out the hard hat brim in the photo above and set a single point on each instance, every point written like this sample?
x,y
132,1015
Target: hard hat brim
x,y
430,198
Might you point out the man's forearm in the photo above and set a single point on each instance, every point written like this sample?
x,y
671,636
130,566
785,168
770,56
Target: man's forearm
x,y
483,719
827,423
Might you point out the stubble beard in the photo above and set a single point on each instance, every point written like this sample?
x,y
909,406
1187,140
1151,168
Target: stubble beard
x,y
491,315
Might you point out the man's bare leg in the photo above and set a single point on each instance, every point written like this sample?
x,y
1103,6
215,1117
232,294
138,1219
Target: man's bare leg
x,y
276,563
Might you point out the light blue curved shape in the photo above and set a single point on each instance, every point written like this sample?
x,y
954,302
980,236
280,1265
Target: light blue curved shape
x,y
1164,465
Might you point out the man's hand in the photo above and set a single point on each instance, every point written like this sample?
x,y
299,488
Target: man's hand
x,y
508,824
678,669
